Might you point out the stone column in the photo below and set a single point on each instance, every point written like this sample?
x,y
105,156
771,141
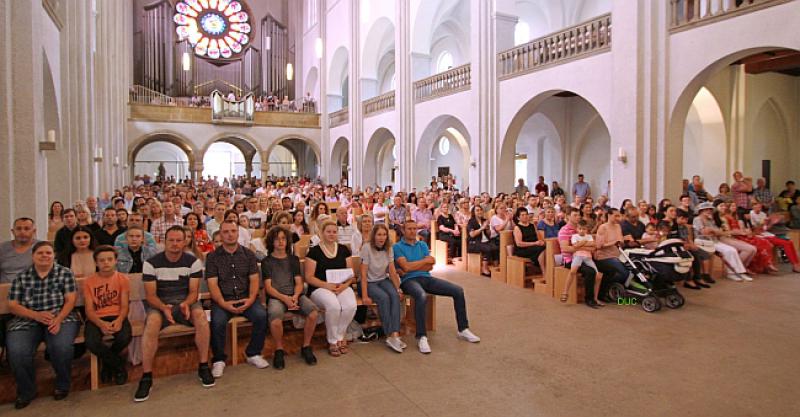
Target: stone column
x,y
484,91
264,164
325,137
354,107
404,96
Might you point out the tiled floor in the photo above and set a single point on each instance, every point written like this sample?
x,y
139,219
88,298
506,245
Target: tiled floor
x,y
731,351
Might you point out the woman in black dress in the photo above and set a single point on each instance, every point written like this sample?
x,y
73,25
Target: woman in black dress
x,y
526,239
449,232
478,240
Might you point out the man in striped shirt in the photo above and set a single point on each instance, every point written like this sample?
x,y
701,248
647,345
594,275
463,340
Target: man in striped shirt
x,y
172,282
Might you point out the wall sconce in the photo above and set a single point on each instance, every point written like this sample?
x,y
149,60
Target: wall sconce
x,y
318,48
125,166
473,164
268,43
98,154
289,72
622,156
116,161
49,144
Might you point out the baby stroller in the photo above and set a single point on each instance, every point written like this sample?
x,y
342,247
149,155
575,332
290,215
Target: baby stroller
x,y
653,275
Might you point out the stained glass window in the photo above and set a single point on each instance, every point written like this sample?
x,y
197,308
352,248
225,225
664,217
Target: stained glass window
x,y
217,29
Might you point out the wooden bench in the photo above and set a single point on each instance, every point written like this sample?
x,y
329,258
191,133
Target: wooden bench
x,y
794,237
438,247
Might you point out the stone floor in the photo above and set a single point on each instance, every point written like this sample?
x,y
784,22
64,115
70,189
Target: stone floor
x,y
730,351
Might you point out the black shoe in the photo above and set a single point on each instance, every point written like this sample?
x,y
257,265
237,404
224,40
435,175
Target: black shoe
x,y
701,283
121,377
105,374
143,392
707,278
691,287
204,373
592,304
277,359
308,355
59,395
19,404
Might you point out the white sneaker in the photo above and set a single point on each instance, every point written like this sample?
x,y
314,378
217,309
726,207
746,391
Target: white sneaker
x,y
734,277
258,361
423,345
394,344
217,369
402,343
468,336
745,277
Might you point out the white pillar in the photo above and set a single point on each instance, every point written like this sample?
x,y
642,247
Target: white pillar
x,y
355,109
404,97
325,137
484,91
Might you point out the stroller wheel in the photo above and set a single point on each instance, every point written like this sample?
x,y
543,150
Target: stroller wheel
x,y
617,291
651,304
675,300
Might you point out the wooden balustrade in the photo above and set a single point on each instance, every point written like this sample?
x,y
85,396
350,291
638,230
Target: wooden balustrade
x,y
445,83
339,117
379,104
687,14
583,39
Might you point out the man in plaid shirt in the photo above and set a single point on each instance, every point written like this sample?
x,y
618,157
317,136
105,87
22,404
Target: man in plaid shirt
x,y
160,226
42,300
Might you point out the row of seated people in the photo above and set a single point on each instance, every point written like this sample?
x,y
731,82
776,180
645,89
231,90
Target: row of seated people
x,y
42,298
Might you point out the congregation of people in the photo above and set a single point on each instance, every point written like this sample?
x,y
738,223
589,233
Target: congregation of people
x,y
236,240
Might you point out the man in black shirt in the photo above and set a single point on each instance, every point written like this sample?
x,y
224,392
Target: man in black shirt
x,y
64,234
233,281
108,234
633,228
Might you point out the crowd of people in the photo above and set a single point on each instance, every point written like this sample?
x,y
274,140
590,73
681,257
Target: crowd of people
x,y
238,238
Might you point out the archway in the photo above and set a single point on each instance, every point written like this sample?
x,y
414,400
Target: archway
x,y
558,135
340,162
152,156
379,160
377,62
170,138
705,140
444,148
337,79
441,29
229,155
751,88
293,155
312,79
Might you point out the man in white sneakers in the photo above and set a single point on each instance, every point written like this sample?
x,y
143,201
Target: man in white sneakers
x,y
414,264
233,281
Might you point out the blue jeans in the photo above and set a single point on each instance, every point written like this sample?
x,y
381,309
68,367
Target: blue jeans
x,y
385,296
419,288
257,315
22,346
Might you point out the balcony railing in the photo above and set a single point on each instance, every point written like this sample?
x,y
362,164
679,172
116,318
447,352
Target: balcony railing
x,y
583,39
143,95
379,104
339,117
445,83
687,14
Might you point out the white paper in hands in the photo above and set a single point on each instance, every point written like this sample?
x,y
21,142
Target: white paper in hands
x,y
338,276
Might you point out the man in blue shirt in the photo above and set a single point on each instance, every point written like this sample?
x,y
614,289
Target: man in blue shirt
x,y
414,264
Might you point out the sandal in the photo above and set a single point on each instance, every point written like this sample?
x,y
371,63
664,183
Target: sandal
x,y
334,351
564,297
343,349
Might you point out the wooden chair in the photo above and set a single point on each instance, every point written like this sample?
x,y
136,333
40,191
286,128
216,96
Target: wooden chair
x,y
500,274
333,205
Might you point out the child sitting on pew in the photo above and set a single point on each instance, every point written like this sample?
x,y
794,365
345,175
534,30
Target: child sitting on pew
x,y
584,245
107,294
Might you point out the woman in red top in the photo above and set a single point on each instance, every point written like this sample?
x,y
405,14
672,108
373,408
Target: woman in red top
x,y
203,242
762,262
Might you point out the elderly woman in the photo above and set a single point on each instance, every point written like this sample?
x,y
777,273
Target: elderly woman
x,y
41,300
364,225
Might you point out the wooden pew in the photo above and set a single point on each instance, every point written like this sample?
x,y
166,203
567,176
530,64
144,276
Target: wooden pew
x,y
794,236
500,274
438,247
547,286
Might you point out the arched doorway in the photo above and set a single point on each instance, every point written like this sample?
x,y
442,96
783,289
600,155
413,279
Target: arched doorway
x,y
444,149
379,161
558,135
735,108
340,162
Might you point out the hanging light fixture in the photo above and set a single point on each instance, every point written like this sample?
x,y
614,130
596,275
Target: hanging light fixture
x,y
186,60
268,43
289,72
318,48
